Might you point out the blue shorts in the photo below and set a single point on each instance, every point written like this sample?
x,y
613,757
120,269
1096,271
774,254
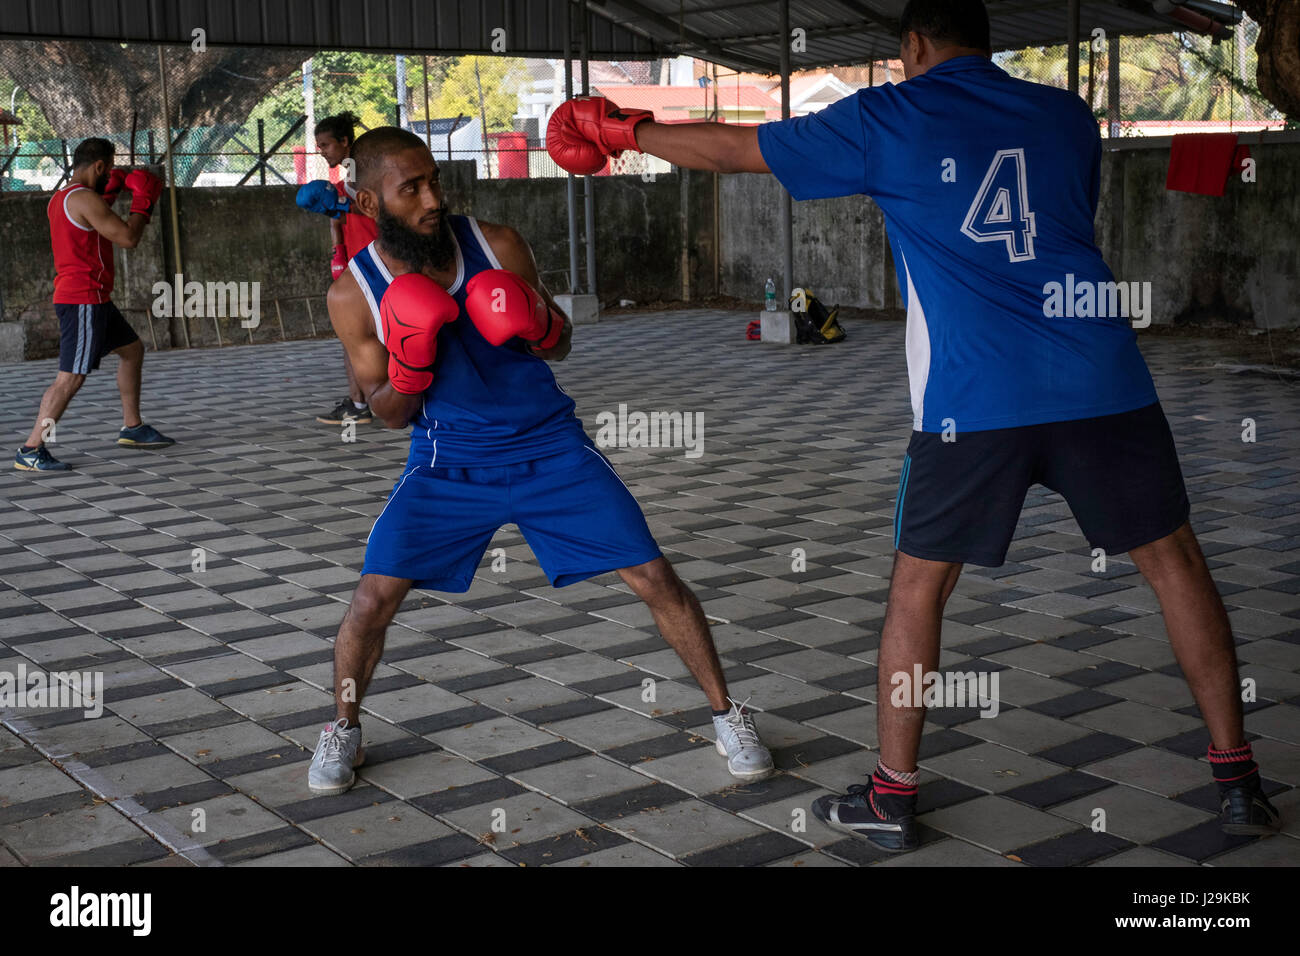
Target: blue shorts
x,y
572,508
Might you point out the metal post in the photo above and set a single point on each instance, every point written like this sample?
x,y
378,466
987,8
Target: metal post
x,y
717,200
1112,87
1072,44
171,185
400,82
428,120
308,136
261,151
571,188
588,184
787,206
683,225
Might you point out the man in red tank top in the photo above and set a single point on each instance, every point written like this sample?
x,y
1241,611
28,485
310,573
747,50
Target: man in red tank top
x,y
83,231
351,231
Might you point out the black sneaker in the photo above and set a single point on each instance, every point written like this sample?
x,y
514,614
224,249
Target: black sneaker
x,y
39,459
1246,811
143,436
345,411
856,812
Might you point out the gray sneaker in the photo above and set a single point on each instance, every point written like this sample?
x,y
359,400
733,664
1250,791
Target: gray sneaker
x,y
338,753
738,741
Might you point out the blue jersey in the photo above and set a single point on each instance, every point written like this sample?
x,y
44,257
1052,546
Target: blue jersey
x,y
989,186
488,404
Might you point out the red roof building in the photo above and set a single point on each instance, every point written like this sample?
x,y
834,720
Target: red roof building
x,y
736,104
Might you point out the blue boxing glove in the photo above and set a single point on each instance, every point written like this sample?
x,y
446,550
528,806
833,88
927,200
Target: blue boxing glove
x,y
320,196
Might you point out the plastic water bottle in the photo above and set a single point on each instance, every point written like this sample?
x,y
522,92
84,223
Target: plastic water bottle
x,y
769,295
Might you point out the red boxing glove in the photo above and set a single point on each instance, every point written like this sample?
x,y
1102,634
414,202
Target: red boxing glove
x,y
413,309
339,264
116,180
145,189
585,130
502,306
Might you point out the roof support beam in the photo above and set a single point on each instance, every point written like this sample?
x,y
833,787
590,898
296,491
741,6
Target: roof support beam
x,y
866,13
1072,44
856,28
686,40
787,209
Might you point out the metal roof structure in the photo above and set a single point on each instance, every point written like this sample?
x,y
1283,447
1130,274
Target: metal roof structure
x,y
746,34
740,34
532,27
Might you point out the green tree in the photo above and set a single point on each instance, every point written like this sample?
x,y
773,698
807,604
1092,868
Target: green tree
x,y
1178,76
499,79
34,125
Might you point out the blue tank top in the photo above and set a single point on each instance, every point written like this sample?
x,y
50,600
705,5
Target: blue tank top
x,y
488,404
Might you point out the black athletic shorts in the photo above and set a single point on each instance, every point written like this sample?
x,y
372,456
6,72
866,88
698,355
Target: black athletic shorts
x,y
961,500
87,332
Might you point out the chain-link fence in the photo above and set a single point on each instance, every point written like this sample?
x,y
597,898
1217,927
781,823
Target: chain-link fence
x,y
1170,83
247,117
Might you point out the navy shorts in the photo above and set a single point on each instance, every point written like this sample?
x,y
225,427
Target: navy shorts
x,y
87,333
960,500
573,510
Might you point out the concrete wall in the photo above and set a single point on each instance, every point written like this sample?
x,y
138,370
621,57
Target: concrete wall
x,y
1233,260
1211,260
840,248
258,234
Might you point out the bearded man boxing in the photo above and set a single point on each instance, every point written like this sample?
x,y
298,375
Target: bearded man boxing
x,y
449,329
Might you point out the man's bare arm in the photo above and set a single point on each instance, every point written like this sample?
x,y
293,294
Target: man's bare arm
x,y
89,207
514,253
353,324
712,147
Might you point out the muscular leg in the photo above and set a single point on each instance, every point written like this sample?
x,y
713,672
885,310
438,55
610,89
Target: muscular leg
x,y
918,591
1198,629
54,403
354,388
681,621
360,639
128,381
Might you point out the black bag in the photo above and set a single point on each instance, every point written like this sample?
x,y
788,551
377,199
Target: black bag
x,y
813,322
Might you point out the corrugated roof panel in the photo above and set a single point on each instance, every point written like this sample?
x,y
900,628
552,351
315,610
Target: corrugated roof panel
x,y
855,30
533,27
851,30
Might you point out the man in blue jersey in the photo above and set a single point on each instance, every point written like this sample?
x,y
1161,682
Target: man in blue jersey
x,y
989,188
449,329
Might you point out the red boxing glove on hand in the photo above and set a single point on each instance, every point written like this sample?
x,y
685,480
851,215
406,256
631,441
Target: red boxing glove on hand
x,y
583,131
339,264
413,309
502,306
145,189
116,180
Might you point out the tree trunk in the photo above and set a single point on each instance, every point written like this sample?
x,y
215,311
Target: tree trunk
x,y
92,88
1278,51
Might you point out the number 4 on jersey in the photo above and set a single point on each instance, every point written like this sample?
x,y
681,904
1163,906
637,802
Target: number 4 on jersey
x,y
1000,212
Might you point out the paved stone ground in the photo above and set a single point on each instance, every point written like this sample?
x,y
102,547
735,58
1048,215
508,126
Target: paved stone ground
x,y
521,698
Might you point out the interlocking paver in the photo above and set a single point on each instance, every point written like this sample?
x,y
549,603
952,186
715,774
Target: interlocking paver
x,y
497,697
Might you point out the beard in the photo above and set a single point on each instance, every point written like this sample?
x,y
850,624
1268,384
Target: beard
x,y
101,184
417,250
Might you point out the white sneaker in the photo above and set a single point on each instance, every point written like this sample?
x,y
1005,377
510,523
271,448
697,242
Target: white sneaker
x,y
738,741
338,753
